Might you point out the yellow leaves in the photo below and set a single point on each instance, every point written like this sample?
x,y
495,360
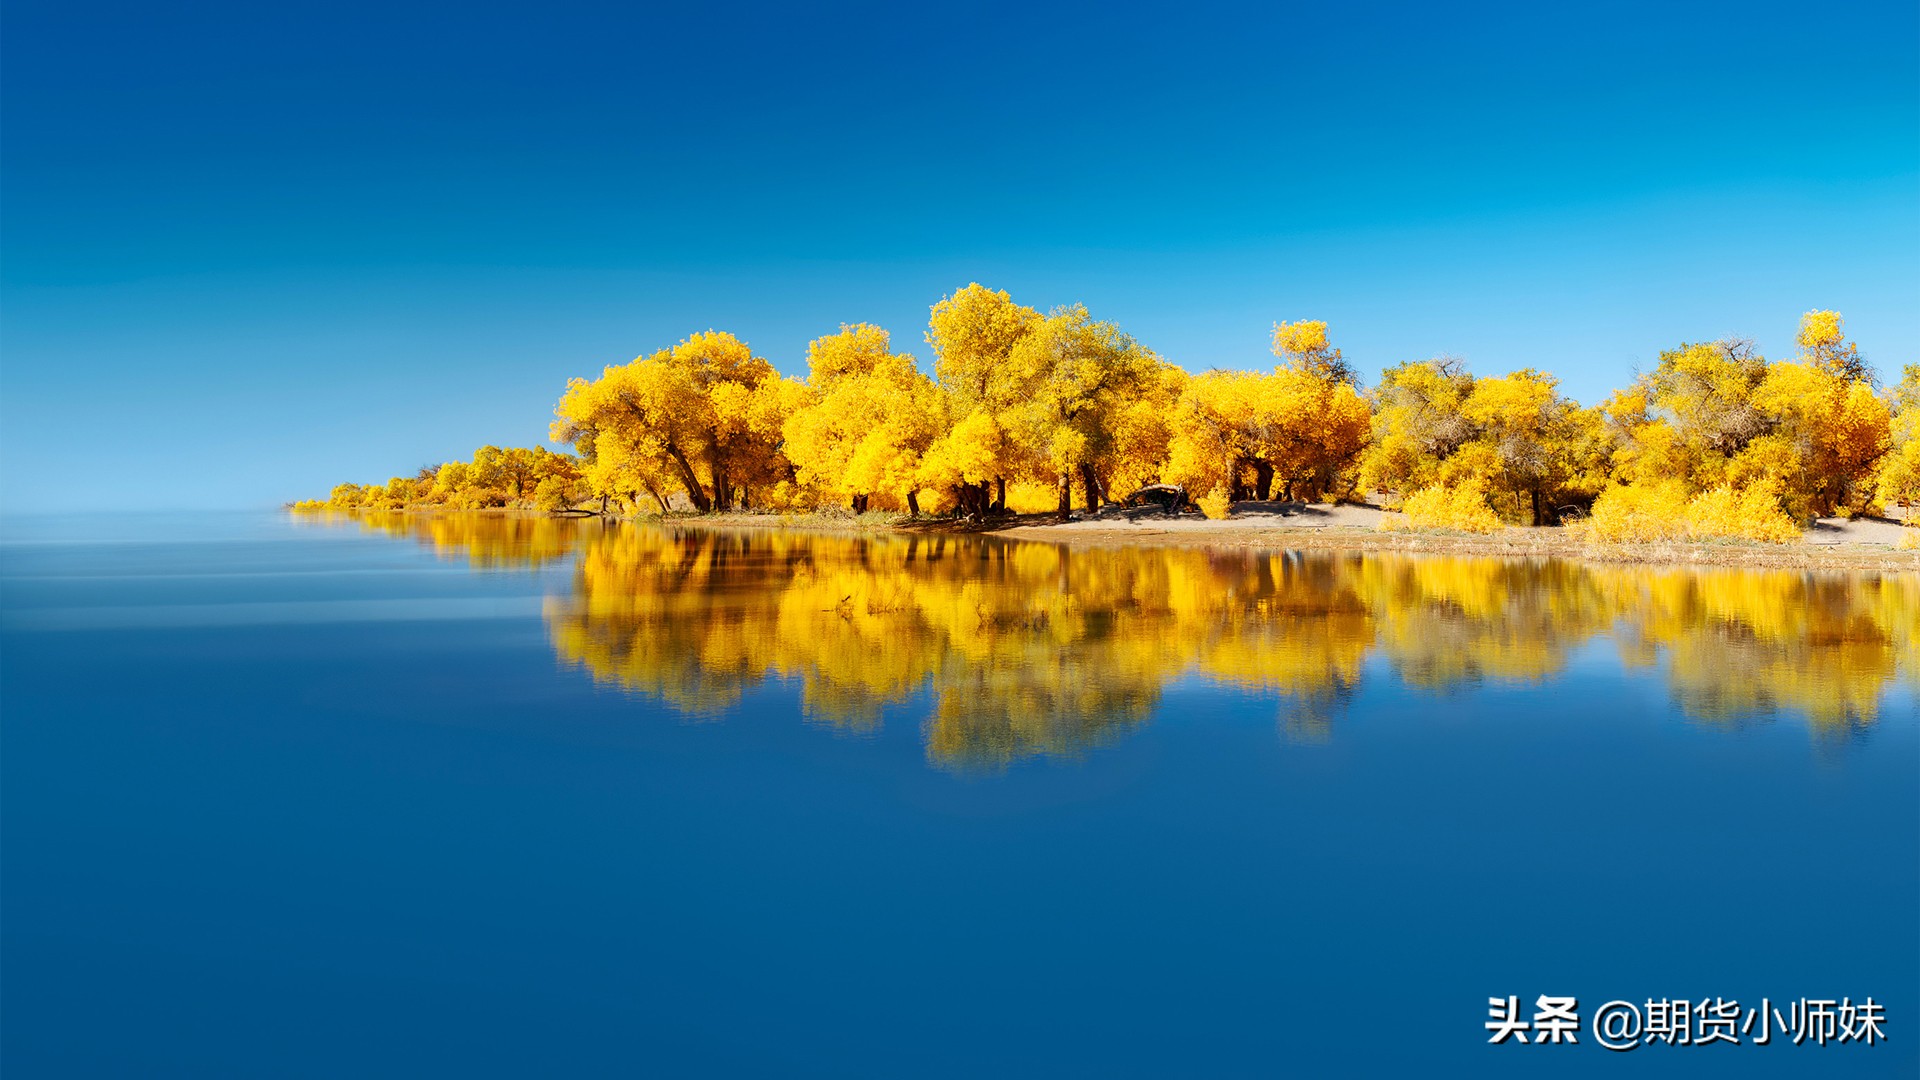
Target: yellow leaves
x,y
1640,514
1526,448
1304,428
1897,480
1823,343
1215,503
1751,513
859,349
1476,465
702,417
1840,427
1299,339
1519,402
1462,507
973,333
717,357
1024,400
1858,432
1820,330
1649,513
1417,423
1303,347
969,454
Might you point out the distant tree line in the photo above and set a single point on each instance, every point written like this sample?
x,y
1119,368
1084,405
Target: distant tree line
x,y
513,477
1025,410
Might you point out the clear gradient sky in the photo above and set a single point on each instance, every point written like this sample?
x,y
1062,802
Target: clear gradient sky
x,y
249,250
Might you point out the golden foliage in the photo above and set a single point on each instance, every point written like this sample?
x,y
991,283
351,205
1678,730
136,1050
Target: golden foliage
x,y
1462,507
1752,513
1215,503
1029,412
1642,513
1648,513
1822,339
496,477
1897,478
703,418
1303,347
1514,438
865,423
1296,433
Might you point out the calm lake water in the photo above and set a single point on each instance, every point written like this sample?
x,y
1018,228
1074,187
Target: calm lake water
x,y
503,796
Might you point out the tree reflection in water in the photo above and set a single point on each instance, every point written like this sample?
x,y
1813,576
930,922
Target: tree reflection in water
x,y
1031,649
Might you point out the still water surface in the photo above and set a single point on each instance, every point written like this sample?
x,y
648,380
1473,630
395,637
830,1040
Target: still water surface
x,y
516,796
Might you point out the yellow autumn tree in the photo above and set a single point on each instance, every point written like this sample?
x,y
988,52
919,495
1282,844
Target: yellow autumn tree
x,y
1143,431
1418,423
1303,346
1512,443
706,413
867,423
1720,415
1301,428
1080,376
528,478
1897,483
973,334
1829,434
1823,344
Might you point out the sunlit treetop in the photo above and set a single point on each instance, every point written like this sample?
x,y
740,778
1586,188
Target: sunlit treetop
x,y
1303,346
1823,342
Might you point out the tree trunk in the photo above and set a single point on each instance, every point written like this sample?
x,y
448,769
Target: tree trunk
x,y
687,478
663,502
1066,495
860,503
1091,485
722,489
913,503
976,500
1263,480
1000,501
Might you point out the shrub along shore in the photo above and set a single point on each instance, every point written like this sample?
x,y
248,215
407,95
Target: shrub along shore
x,y
1031,413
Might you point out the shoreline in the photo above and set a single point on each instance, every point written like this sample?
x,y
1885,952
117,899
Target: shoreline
x,y
1272,532
1255,534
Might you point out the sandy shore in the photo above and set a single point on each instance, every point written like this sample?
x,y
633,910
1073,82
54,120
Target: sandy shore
x,y
1832,543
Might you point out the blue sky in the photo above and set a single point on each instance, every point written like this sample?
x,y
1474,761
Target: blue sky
x,y
250,250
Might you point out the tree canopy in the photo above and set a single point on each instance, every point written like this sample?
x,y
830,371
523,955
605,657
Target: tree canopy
x,y
1023,410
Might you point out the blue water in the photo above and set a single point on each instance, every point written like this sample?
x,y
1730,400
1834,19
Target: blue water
x,y
300,798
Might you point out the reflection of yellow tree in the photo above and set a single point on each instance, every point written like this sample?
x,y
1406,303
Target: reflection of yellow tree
x,y
1747,642
685,617
492,541
1035,649
1449,621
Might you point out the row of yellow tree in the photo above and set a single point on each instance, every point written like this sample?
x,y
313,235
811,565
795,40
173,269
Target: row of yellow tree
x,y
1060,401
496,477
1055,407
